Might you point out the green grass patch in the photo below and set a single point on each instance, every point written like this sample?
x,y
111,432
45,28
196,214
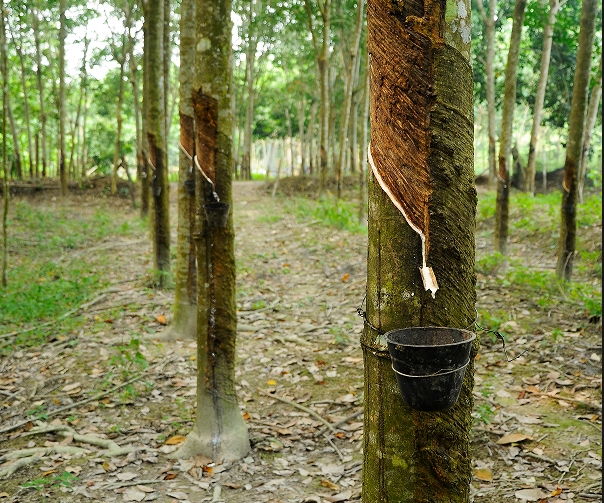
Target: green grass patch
x,y
344,215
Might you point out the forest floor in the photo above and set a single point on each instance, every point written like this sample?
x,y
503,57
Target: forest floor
x,y
92,403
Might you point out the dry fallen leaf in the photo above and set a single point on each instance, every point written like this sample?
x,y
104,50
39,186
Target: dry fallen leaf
x,y
329,484
345,277
133,494
161,319
271,382
72,386
484,474
531,494
4,495
145,489
176,439
513,437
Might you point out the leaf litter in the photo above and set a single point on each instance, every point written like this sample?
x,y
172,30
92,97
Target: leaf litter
x,y
537,431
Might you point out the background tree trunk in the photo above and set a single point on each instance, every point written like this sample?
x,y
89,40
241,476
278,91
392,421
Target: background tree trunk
x,y
220,431
76,126
156,137
146,169
590,122
411,456
6,193
548,37
36,29
62,98
185,295
489,67
140,158
15,134
568,226
118,112
505,138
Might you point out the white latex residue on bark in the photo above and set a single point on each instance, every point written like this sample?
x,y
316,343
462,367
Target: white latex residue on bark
x,y
427,273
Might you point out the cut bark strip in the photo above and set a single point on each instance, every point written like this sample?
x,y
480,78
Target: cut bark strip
x,y
206,121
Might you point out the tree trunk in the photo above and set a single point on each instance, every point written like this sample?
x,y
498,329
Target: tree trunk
x,y
548,36
505,138
185,295
421,125
15,135
290,150
349,81
118,113
364,142
301,119
140,158
590,122
6,192
36,29
156,137
62,97
568,227
322,57
146,168
220,431
76,125
166,65
84,149
311,138
30,143
489,25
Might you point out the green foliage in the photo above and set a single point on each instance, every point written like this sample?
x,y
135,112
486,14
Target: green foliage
x,y
490,264
484,412
343,216
65,479
129,359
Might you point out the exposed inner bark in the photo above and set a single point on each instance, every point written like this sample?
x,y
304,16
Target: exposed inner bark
x,y
206,120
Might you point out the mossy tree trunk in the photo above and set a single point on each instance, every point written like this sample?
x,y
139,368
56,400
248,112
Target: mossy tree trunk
x,y
568,225
156,139
220,431
505,138
185,295
546,51
422,117
62,97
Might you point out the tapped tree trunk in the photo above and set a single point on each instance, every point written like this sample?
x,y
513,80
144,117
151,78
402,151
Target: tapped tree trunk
x,y
220,432
62,98
185,295
156,138
505,139
590,122
489,25
421,126
548,37
568,226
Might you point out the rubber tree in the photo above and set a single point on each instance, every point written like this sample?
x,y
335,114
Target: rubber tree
x,y
18,170
62,98
5,192
321,48
349,90
420,269
546,51
364,141
156,140
574,145
185,295
220,431
590,122
43,140
506,136
489,67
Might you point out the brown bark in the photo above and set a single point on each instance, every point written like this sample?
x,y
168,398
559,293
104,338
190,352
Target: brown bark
x,y
505,139
364,144
421,117
16,149
311,138
145,168
121,58
302,136
568,226
6,192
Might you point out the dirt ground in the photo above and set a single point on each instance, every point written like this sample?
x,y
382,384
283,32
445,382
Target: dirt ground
x,y
537,433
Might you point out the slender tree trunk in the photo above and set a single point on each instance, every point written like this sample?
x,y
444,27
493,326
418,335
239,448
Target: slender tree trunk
x,y
322,56
422,152
156,137
350,81
140,158
364,144
568,226
505,139
36,29
332,146
290,150
167,65
311,138
76,126
590,122
118,116
548,36
84,149
185,295
489,24
62,98
6,192
301,119
30,144
220,431
15,135
146,169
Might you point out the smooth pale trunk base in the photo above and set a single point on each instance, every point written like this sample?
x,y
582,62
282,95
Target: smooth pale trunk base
x,y
182,328
220,432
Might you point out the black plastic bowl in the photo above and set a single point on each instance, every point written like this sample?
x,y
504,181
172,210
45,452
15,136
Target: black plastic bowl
x,y
429,364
